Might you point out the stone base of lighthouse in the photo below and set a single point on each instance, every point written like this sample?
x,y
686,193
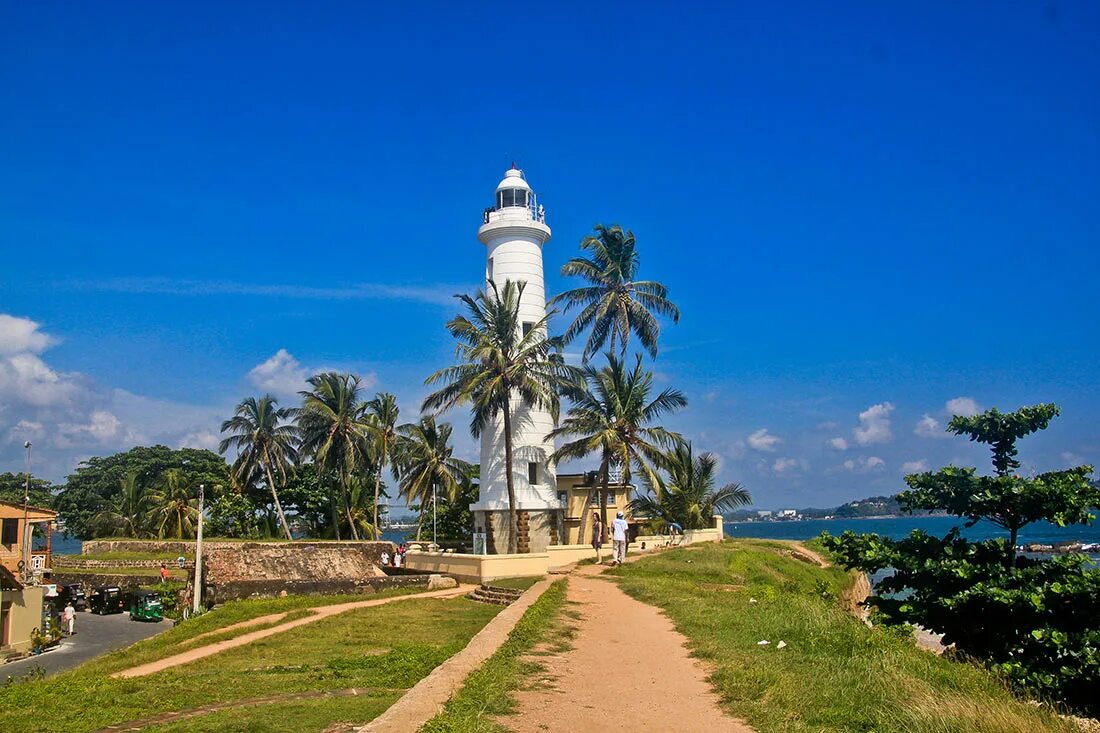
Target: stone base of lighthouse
x,y
538,529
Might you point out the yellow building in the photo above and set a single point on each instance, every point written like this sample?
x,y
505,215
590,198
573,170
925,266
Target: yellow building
x,y
579,495
13,533
20,613
21,598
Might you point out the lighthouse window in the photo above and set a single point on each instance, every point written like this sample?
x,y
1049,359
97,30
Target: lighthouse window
x,y
511,197
527,326
489,270
532,473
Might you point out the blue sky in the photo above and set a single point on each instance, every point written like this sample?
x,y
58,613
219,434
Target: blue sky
x,y
863,212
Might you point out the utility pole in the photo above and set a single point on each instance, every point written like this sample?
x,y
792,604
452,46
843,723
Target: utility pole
x,y
196,594
435,496
26,516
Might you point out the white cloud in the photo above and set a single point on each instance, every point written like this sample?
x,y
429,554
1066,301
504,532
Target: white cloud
x,y
19,335
864,465
930,427
281,374
101,427
200,439
918,466
965,406
436,294
874,425
1072,458
839,443
761,440
789,466
284,376
68,416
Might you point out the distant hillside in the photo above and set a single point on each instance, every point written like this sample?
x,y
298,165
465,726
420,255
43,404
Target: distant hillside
x,y
874,506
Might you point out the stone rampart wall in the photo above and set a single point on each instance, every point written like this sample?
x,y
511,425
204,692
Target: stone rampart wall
x,y
158,547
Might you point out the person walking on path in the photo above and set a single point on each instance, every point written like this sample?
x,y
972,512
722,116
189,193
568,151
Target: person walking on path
x,y
163,573
597,537
70,617
385,558
619,529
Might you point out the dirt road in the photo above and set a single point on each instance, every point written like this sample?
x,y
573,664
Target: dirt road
x,y
629,669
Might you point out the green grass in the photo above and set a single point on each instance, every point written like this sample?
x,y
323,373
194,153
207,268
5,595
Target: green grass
x,y
487,691
181,637
835,674
514,583
385,649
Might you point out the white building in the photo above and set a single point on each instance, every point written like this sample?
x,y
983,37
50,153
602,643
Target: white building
x,y
513,232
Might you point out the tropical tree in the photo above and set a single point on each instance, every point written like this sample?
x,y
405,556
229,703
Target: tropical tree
x,y
266,442
174,506
499,364
1032,619
425,463
613,416
382,433
686,495
333,421
613,304
128,513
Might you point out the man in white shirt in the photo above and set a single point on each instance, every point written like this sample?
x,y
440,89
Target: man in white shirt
x,y
70,617
619,529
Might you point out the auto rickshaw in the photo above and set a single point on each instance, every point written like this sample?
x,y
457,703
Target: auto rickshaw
x,y
107,599
145,606
72,593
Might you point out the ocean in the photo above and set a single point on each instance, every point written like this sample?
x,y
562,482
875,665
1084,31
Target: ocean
x,y
898,527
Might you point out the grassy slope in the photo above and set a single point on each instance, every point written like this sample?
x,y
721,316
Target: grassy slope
x,y
387,648
835,673
486,692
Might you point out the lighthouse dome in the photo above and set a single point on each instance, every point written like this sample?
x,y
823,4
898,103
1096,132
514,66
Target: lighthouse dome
x,y
513,179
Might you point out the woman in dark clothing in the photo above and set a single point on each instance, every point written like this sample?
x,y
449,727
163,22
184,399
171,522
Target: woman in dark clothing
x,y
597,536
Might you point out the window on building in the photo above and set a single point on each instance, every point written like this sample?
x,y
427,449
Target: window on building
x,y
9,532
596,498
489,270
533,473
527,326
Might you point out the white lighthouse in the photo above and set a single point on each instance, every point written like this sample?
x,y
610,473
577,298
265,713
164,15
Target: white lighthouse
x,y
513,232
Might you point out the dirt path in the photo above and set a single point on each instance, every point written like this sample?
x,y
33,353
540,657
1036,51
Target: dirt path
x,y
319,612
629,669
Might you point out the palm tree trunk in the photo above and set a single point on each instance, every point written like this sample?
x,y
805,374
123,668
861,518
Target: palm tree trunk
x,y
513,517
347,506
275,497
420,521
335,516
584,518
605,466
377,489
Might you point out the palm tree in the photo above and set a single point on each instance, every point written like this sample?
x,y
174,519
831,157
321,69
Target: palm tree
x,y
614,304
498,362
687,496
175,507
128,514
613,415
424,462
360,504
334,423
266,441
382,432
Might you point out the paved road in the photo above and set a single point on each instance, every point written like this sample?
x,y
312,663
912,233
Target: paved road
x,y
95,635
